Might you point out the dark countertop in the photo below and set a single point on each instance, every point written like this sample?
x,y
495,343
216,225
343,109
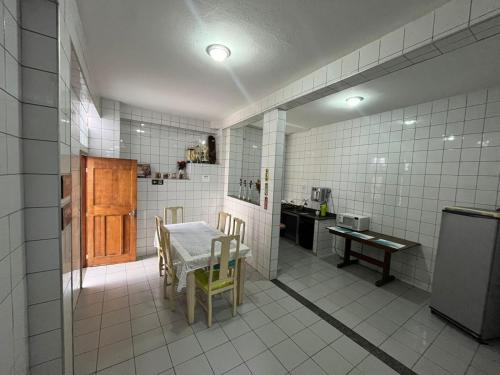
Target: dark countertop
x,y
307,212
373,241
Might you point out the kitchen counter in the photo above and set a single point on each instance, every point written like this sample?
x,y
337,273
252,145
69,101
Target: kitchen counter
x,y
302,226
308,212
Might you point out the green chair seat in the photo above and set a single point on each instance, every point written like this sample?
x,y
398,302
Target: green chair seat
x,y
201,277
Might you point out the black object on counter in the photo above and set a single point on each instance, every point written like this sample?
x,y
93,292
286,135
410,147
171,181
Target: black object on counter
x,y
212,153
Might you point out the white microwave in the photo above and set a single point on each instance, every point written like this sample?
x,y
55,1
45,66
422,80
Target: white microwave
x,y
358,223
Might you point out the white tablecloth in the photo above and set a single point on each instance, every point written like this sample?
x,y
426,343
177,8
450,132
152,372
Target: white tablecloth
x,y
192,243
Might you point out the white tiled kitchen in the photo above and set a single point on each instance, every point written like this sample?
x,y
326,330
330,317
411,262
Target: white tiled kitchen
x,y
355,147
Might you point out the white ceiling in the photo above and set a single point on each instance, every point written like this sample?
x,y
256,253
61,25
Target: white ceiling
x,y
474,67
151,53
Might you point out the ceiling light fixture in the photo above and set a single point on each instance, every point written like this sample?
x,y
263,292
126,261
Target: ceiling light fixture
x,y
354,100
410,122
218,52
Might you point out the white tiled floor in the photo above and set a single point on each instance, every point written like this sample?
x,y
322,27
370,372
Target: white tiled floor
x,y
395,317
124,326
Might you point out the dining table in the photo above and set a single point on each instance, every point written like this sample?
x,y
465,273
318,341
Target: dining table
x,y
191,249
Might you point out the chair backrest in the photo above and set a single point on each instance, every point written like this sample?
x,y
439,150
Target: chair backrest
x,y
239,228
223,259
164,243
174,214
222,221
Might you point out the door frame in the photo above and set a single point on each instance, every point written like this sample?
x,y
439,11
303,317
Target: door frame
x,y
83,214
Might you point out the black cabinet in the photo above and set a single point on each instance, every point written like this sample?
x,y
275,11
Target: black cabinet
x,y
306,232
291,226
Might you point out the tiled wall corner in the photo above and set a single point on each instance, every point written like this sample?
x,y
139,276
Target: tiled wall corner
x,y
14,351
44,152
13,298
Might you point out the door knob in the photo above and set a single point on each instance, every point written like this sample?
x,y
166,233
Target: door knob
x,y
133,213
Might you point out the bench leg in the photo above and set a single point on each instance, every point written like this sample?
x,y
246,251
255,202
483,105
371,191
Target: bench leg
x,y
347,255
386,271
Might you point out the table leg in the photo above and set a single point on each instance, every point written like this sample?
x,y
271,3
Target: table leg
x,y
347,255
191,297
386,270
242,265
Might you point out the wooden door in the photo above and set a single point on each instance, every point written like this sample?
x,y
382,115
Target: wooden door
x,y
111,210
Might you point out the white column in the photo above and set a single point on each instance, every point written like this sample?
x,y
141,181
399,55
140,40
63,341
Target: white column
x,y
273,143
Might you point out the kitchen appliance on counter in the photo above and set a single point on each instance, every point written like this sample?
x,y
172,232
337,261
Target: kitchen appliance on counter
x,y
358,223
466,281
319,194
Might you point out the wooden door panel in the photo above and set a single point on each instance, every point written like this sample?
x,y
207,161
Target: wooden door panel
x,y
111,207
113,228
119,195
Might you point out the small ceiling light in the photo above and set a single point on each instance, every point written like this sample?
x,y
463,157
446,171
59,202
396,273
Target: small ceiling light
x,y
354,100
410,122
218,52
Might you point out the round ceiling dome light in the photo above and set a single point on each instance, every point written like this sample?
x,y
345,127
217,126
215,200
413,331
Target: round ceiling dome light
x,y
218,52
354,100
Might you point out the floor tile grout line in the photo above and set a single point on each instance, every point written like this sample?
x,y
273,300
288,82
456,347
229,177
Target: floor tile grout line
x,y
351,334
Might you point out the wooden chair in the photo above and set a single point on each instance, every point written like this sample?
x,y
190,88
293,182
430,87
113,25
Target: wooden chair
x,y
222,219
174,211
211,282
160,252
165,253
239,229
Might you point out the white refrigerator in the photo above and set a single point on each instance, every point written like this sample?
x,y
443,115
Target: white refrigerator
x,y
466,280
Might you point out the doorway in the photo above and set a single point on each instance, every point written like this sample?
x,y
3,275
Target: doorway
x,y
109,210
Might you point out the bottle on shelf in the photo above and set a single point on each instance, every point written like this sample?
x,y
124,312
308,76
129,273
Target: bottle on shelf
x,y
249,195
240,190
244,189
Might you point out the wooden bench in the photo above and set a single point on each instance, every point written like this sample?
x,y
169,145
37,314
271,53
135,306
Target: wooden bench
x,y
372,242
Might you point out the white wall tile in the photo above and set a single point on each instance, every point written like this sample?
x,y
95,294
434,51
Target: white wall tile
x,y
391,44
419,31
350,64
39,122
40,87
40,16
39,51
44,286
45,347
41,190
11,35
451,17
482,8
44,317
368,55
40,157
334,70
40,223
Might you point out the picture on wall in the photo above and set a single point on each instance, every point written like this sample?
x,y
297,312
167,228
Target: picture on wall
x,y
143,170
